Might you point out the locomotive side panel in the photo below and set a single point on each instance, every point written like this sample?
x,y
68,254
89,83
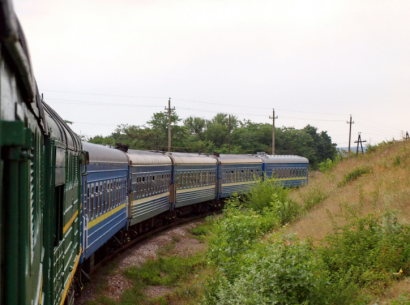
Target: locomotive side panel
x,y
61,210
22,167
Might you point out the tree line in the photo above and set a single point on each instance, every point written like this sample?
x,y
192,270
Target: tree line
x,y
196,134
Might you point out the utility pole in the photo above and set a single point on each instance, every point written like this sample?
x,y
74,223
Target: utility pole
x,y
229,133
169,123
359,140
350,134
273,130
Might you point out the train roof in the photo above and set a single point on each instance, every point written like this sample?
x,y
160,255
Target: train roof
x,y
281,158
59,129
237,159
190,158
104,154
144,157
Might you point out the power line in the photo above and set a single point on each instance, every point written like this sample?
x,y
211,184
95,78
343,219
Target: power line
x,y
59,101
378,124
192,101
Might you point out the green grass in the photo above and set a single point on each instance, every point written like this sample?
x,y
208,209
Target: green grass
x,y
165,271
313,196
355,174
199,231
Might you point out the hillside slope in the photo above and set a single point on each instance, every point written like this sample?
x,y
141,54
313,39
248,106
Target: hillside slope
x,y
383,186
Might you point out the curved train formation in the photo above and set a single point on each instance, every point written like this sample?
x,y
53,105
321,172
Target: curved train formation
x,y
65,204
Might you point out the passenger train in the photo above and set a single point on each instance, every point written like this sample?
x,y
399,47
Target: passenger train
x,y
65,204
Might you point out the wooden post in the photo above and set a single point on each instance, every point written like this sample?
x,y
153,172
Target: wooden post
x,y
273,130
169,125
350,135
229,133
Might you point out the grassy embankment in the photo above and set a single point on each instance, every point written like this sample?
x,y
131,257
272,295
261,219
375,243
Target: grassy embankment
x,y
343,239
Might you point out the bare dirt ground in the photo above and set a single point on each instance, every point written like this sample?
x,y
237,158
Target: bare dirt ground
x,y
183,244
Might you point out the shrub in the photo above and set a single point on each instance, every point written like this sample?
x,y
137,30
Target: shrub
x,y
397,161
280,272
236,233
260,194
313,195
328,165
368,250
354,174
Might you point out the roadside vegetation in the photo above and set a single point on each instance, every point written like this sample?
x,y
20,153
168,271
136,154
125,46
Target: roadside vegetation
x,y
342,239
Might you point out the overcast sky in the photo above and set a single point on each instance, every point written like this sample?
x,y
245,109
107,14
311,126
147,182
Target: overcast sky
x,y
102,63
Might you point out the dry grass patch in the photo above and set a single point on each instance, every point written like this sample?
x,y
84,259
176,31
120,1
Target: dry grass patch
x,y
386,187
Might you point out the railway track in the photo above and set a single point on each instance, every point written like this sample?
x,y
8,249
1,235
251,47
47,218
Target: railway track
x,y
144,236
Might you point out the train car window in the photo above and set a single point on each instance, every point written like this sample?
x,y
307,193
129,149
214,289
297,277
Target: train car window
x,y
138,187
161,183
115,193
100,198
151,182
92,201
118,192
112,194
147,185
109,194
143,186
188,179
88,201
151,185
105,195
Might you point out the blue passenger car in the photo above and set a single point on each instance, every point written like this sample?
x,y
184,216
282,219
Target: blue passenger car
x,y
237,173
194,177
150,182
290,171
104,197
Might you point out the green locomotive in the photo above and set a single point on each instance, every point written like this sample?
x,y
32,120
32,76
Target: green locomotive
x,y
40,183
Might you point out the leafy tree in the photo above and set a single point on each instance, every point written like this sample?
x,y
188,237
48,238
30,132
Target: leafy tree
x,y
200,135
217,129
253,137
196,126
